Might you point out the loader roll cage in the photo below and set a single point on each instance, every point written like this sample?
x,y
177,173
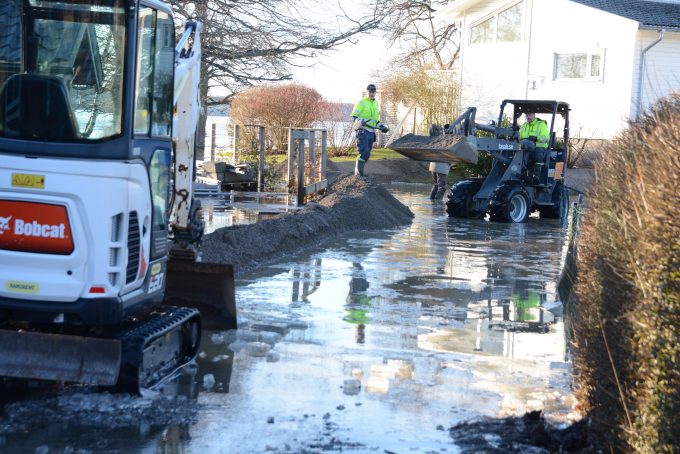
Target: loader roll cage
x,y
521,107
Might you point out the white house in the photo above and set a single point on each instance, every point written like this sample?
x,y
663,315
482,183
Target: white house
x,y
609,59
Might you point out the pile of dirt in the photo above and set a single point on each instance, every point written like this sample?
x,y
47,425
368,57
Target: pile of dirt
x,y
351,203
401,170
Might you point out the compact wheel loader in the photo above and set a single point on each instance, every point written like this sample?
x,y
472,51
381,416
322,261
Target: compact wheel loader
x,y
100,277
518,183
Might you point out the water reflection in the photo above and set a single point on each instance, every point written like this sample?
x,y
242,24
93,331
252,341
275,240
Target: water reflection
x,y
423,326
237,208
307,276
358,302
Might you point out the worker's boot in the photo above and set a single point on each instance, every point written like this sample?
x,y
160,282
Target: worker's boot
x,y
359,168
440,193
433,192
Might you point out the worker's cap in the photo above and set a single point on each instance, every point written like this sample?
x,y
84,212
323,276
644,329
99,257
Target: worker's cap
x,y
370,87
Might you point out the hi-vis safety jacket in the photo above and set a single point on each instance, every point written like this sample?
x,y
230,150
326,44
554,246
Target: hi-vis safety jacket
x,y
537,128
367,110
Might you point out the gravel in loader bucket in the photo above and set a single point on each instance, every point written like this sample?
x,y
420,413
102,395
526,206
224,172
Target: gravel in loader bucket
x,y
441,148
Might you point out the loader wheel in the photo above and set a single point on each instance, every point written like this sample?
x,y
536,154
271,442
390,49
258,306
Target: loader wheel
x,y
509,204
459,202
554,211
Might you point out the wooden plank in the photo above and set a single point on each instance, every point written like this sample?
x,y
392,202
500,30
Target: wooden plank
x,y
299,134
316,187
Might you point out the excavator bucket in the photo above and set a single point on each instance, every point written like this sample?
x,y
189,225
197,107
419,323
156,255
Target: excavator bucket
x,y
208,287
58,357
441,148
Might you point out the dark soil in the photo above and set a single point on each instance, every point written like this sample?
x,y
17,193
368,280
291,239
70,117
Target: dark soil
x,y
386,171
351,204
529,433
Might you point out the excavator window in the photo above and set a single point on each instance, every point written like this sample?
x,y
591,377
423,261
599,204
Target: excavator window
x,y
154,80
71,51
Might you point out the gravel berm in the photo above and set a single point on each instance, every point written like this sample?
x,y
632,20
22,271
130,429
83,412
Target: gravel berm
x,y
351,203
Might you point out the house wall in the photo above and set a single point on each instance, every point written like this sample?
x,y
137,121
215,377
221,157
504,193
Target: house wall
x,y
599,107
662,68
526,70
491,72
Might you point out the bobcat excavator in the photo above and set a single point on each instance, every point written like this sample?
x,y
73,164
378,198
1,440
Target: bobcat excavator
x,y
100,275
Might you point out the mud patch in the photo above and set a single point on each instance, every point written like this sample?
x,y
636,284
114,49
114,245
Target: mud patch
x,y
85,409
351,204
529,433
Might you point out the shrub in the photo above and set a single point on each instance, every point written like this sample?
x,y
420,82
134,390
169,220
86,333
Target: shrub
x,y
627,319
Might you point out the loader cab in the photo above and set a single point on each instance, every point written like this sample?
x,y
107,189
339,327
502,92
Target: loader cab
x,y
90,80
554,113
556,116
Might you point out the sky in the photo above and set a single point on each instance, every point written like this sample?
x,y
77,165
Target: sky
x,y
342,74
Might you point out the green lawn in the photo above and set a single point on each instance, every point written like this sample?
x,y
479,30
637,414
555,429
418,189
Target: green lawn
x,y
376,154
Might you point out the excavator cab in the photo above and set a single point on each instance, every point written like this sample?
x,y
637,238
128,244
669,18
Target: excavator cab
x,y
90,191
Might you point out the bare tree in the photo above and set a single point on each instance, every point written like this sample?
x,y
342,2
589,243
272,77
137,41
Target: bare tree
x,y
334,118
277,107
425,79
427,42
250,42
434,93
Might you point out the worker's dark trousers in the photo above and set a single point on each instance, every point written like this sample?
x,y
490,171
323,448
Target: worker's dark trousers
x,y
365,141
439,187
540,155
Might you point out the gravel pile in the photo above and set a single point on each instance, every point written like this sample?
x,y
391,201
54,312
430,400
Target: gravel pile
x,y
351,204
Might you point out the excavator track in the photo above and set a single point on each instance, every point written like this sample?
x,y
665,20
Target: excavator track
x,y
154,349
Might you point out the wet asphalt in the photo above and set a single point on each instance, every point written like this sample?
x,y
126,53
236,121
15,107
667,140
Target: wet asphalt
x,y
372,342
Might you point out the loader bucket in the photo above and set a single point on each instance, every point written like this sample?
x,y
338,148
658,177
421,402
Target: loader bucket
x,y
208,287
59,357
441,148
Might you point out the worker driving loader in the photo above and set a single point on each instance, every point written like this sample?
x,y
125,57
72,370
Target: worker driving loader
x,y
99,229
528,166
533,137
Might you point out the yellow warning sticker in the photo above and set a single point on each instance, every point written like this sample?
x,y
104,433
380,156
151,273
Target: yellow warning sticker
x,y
22,287
25,180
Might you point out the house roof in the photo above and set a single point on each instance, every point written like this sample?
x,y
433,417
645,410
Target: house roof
x,y
649,14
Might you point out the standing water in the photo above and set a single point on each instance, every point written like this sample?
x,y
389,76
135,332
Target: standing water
x,y
376,342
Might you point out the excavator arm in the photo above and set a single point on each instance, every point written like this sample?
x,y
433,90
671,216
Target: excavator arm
x,y
208,287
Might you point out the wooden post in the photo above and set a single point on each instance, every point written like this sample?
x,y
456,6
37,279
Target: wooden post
x,y
291,156
414,120
260,170
237,134
301,172
312,161
324,156
212,141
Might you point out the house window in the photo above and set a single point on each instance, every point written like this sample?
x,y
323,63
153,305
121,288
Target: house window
x,y
583,65
483,32
502,27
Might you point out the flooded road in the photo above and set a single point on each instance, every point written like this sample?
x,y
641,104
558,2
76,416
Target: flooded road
x,y
374,342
